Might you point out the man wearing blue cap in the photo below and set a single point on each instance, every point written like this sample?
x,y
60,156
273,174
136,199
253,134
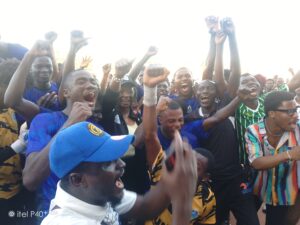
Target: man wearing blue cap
x,y
90,191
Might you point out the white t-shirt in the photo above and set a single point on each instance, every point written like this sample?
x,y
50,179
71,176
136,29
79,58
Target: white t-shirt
x,y
66,209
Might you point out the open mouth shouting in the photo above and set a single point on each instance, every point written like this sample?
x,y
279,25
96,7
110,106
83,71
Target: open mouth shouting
x,y
90,97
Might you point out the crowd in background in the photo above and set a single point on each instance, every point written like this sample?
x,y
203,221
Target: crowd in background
x,y
243,129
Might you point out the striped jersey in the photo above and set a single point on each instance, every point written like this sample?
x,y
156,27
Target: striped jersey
x,y
244,117
203,205
277,185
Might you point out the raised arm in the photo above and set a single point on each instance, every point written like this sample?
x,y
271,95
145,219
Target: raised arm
x,y
51,37
37,162
228,110
134,72
149,114
111,95
213,27
105,78
178,186
14,93
294,83
259,161
77,42
219,71
235,67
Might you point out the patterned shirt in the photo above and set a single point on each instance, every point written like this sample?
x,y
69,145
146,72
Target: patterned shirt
x,y
245,117
203,206
278,185
11,169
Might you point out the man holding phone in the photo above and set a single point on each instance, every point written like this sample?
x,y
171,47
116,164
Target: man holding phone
x,y
203,204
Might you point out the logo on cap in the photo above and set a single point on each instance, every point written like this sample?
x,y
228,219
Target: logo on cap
x,y
95,130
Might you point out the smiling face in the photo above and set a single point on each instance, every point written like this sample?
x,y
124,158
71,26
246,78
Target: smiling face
x,y
183,82
41,72
126,97
162,89
81,86
171,120
249,83
206,93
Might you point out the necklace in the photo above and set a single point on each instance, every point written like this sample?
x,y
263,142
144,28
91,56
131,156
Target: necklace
x,y
269,131
205,115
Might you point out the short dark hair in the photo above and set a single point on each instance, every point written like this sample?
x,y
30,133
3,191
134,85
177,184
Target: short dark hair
x,y
68,77
274,99
7,70
173,105
210,158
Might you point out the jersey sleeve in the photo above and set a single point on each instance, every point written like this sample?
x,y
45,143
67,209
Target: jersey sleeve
x,y
39,133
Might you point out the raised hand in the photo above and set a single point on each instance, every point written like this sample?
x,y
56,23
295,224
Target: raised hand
x,y
220,38
40,48
212,24
295,153
51,36
85,62
47,100
80,112
106,68
162,104
227,26
152,51
122,67
78,40
155,74
244,93
184,175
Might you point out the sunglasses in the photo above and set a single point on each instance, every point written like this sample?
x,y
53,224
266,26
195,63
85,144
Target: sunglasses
x,y
290,112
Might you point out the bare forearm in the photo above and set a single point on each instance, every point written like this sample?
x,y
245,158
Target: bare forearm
x,y
210,61
138,67
17,84
151,204
235,66
219,74
221,114
69,64
150,130
268,162
103,84
294,83
36,169
55,76
181,212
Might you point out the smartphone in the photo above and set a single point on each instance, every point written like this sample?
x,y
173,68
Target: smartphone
x,y
155,70
171,158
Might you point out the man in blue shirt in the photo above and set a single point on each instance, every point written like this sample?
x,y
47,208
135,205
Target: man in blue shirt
x,y
80,92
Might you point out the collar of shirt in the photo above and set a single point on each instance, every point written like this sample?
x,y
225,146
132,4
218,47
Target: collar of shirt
x,y
66,201
286,136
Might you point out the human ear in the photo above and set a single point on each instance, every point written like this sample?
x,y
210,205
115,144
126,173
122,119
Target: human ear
x,y
75,179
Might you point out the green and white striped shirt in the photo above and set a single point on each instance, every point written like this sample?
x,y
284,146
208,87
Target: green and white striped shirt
x,y
245,117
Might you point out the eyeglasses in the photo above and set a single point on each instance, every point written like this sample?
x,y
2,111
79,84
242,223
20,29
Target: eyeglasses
x,y
290,112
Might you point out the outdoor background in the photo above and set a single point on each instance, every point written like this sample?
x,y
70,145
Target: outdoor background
x,y
268,32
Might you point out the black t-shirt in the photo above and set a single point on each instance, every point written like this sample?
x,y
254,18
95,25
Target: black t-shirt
x,y
223,144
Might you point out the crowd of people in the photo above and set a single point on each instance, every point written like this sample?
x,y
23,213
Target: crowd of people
x,y
142,147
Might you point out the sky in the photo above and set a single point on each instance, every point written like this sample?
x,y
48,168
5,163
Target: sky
x,y
267,32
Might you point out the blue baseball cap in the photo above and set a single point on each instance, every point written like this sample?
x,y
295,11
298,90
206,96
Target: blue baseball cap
x,y
84,142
